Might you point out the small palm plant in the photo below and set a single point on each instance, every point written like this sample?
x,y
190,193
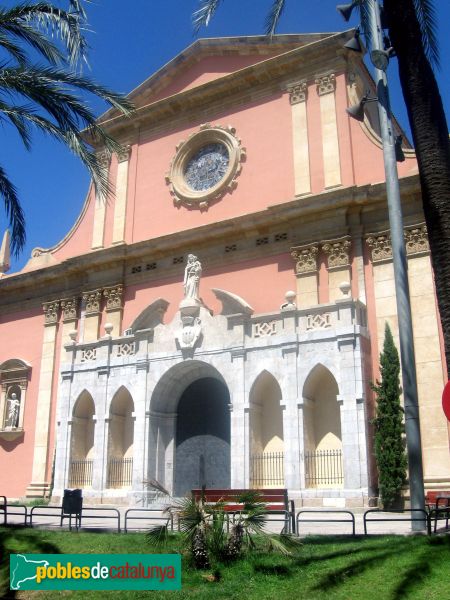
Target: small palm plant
x,y
205,531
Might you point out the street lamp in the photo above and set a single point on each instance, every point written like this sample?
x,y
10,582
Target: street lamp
x,y
391,147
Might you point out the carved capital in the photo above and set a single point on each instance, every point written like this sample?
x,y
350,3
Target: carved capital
x,y
416,240
113,297
124,153
92,301
69,307
380,246
305,259
326,84
338,252
51,310
104,158
298,92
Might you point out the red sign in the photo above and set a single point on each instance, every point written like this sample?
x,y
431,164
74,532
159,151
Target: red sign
x,y
446,400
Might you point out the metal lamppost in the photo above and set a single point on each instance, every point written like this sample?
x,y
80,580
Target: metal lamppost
x,y
380,58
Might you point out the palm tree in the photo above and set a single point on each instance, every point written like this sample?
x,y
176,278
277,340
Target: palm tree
x,y
411,28
46,96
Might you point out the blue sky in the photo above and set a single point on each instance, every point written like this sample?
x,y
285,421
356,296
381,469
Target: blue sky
x,y
129,41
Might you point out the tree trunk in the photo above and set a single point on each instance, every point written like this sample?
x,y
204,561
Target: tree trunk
x,y
431,142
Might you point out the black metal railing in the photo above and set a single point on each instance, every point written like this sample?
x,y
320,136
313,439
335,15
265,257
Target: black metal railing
x,y
323,468
80,473
267,469
120,472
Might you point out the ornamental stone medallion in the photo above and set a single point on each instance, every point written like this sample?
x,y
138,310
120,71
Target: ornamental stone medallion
x,y
205,166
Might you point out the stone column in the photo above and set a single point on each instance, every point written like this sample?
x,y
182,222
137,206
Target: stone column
x,y
113,297
297,97
240,423
290,418
338,252
40,483
98,231
92,315
120,207
307,276
326,86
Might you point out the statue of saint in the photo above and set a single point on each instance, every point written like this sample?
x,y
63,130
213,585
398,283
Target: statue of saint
x,y
192,275
12,411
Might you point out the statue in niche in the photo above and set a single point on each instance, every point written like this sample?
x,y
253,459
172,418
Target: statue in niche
x,y
192,275
12,411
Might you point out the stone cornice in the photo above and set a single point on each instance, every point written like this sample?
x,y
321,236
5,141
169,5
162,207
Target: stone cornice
x,y
305,61
70,276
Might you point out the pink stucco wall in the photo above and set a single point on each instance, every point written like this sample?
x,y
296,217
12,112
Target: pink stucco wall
x,y
16,457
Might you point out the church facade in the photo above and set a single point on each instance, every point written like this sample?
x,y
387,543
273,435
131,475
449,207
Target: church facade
x,y
219,320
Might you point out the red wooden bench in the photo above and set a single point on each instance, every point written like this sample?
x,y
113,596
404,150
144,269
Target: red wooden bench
x,y
276,501
436,502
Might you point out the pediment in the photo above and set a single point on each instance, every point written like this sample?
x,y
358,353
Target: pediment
x,y
209,59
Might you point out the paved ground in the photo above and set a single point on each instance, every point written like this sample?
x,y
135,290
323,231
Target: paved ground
x,y
50,517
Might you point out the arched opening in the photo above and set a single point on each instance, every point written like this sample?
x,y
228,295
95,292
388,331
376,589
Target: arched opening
x,y
189,429
120,440
322,430
266,433
202,456
82,442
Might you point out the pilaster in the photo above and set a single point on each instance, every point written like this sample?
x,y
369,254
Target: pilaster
x,y
120,207
92,301
326,86
307,276
338,253
297,96
40,485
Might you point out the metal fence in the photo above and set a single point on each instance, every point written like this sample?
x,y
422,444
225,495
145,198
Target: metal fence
x,y
323,468
267,470
120,472
80,473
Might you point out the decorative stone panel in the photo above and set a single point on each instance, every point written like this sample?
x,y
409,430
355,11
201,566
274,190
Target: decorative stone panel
x,y
306,259
104,158
318,321
92,301
126,349
113,297
69,308
88,354
51,312
338,252
265,328
380,246
326,84
298,92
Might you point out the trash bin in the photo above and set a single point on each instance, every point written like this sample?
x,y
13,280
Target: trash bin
x,y
72,504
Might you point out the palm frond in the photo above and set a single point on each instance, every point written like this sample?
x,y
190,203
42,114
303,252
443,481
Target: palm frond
x,y
154,484
203,15
274,543
158,536
273,16
14,213
50,20
13,49
426,15
33,38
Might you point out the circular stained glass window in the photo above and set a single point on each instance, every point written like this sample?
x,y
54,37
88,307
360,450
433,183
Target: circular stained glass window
x,y
207,167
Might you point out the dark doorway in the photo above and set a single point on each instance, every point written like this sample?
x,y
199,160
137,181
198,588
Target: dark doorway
x,y
203,437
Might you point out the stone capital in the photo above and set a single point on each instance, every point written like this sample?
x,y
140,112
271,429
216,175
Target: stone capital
x,y
51,310
416,240
325,84
104,158
124,153
298,92
305,259
380,246
69,308
338,252
113,297
92,301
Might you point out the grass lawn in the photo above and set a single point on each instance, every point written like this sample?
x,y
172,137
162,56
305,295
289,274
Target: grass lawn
x,y
341,568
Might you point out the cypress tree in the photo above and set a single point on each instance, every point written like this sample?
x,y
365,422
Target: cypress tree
x,y
389,443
